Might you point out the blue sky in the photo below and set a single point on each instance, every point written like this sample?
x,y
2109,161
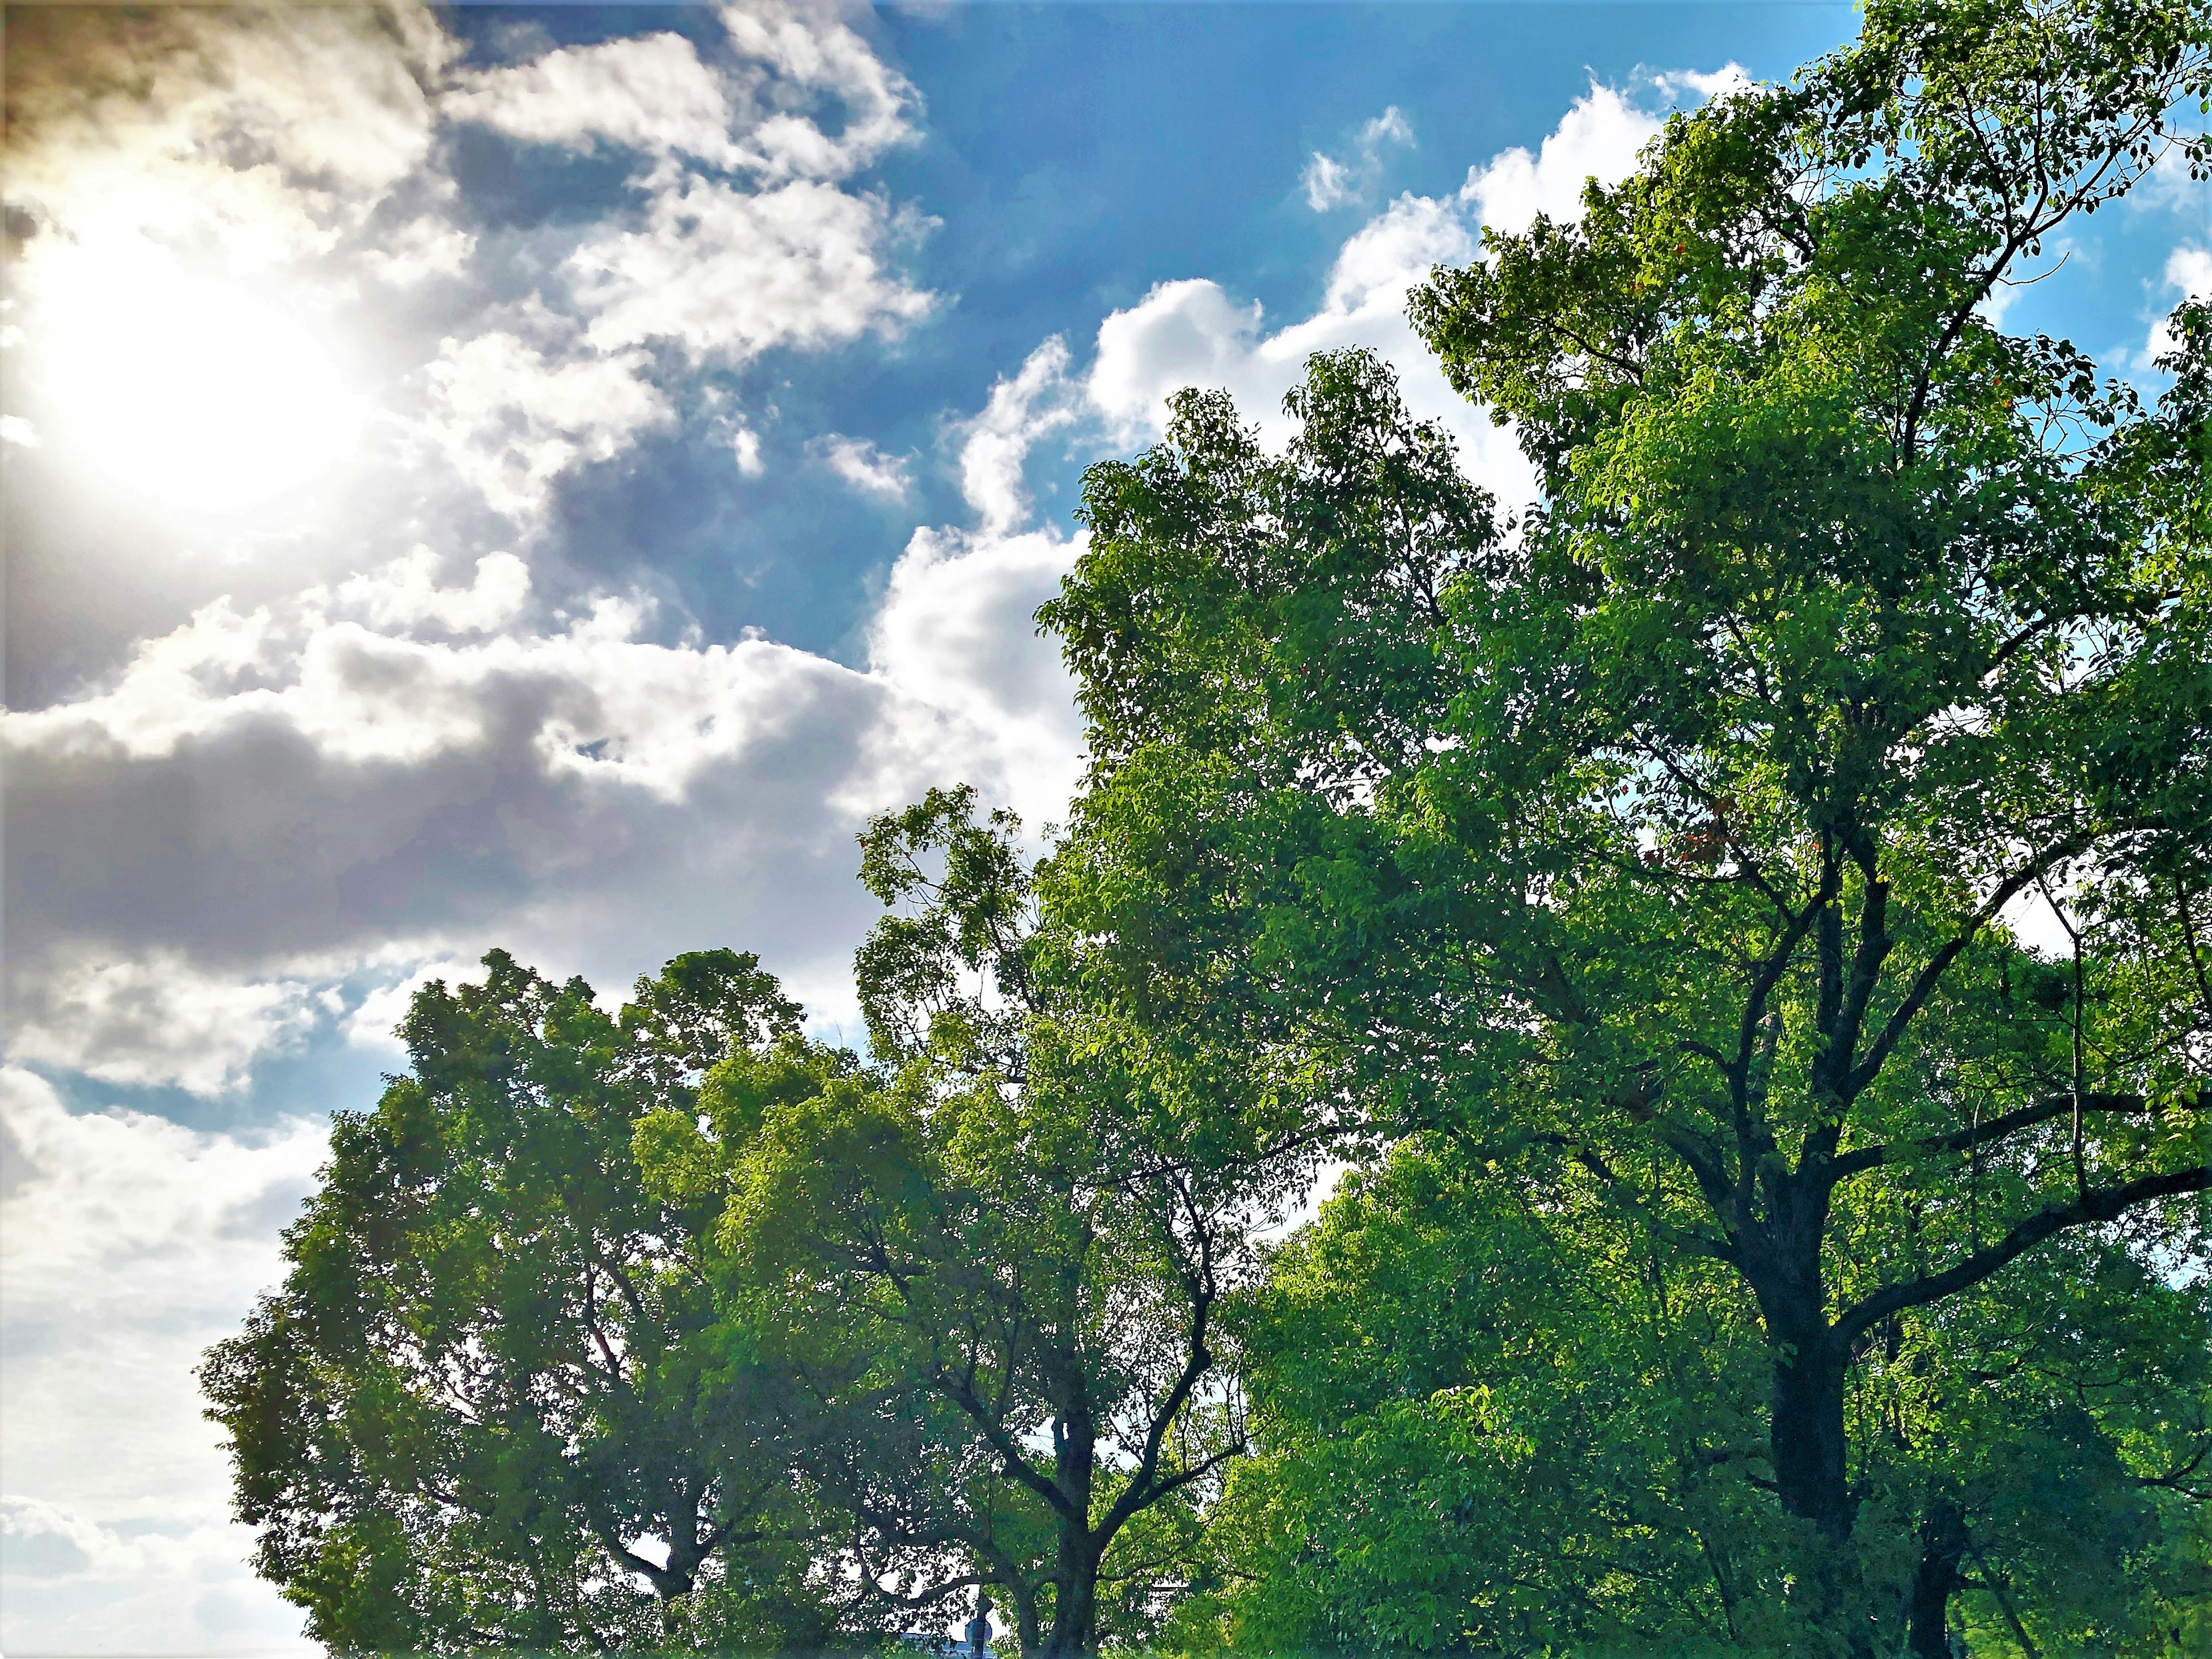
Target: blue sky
x,y
540,477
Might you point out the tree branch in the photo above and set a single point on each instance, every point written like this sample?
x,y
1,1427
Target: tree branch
x,y
1997,1128
2106,1204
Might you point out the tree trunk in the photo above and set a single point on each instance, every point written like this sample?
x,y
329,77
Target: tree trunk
x,y
1942,1545
1075,1597
1805,1432
1806,1439
1075,1607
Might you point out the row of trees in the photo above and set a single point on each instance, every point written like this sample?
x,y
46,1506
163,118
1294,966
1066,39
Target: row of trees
x,y
1749,1240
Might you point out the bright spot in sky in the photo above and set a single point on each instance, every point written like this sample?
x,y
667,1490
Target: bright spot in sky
x,y
196,392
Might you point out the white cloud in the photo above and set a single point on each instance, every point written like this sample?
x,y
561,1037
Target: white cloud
x,y
984,700
813,51
1598,137
248,192
2188,270
724,274
266,802
267,136
511,418
15,429
1191,332
746,449
1330,183
127,1244
1681,85
405,593
154,1020
864,466
655,95
648,93
1187,332
1037,400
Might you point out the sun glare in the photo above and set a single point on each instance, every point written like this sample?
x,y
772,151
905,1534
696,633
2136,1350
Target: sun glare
x,y
199,393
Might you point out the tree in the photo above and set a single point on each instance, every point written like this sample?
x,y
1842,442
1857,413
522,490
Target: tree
x,y
482,1410
1676,828
1489,1417
992,1270
1491,1414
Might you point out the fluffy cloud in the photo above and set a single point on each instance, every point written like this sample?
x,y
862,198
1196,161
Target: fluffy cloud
x,y
726,273
1036,402
510,417
649,92
155,1020
269,798
260,136
864,466
234,212
132,1243
2189,271
1191,332
1332,183
654,94
1598,138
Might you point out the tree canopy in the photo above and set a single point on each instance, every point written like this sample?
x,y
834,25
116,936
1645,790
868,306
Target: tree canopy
x,y
1679,826
1736,921
484,1409
992,1269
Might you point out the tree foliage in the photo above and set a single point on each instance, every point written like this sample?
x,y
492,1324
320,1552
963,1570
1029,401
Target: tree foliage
x,y
992,1269
1677,828
483,1409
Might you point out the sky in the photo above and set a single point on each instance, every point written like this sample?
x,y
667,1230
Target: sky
x,y
541,476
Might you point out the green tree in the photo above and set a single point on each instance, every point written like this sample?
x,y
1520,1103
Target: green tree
x,y
1675,827
484,1410
1490,1416
993,1270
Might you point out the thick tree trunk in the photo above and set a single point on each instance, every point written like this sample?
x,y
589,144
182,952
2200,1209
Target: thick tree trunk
x,y
1075,1599
1075,1608
1805,1432
1942,1544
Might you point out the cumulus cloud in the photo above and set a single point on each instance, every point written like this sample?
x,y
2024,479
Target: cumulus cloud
x,y
1023,410
510,417
268,796
224,202
649,92
131,1244
264,136
1598,138
2189,272
725,273
986,699
1330,182
864,466
654,94
745,449
155,1021
814,52
1192,332
405,593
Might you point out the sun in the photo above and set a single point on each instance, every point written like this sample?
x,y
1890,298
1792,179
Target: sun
x,y
200,393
